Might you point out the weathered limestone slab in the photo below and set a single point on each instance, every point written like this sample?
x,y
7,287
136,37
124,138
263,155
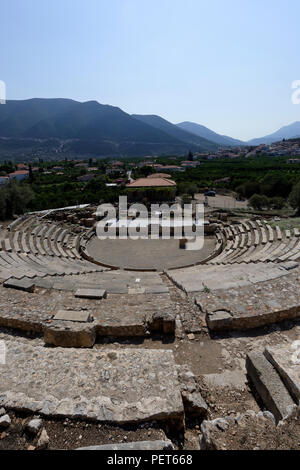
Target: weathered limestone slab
x,y
119,316
162,322
252,306
73,315
142,445
113,386
157,290
91,293
286,361
220,320
136,290
193,402
269,385
20,284
288,265
70,334
209,277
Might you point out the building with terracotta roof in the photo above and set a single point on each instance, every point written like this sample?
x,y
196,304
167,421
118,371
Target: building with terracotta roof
x,y
152,183
19,175
22,166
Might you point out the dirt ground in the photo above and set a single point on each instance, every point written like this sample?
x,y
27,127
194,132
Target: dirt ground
x,y
68,435
222,202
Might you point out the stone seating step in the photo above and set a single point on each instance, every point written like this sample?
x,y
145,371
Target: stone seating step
x,y
24,247
278,233
90,293
16,246
271,249
268,385
288,247
263,236
193,280
270,233
285,359
5,273
36,230
23,284
257,255
6,245
295,250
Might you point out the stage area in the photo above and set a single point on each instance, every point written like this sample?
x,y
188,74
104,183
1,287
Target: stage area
x,y
147,254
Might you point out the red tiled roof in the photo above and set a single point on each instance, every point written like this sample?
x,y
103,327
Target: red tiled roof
x,y
151,182
20,172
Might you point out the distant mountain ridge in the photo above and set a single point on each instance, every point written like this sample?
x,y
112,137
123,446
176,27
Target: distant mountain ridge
x,y
66,125
175,131
292,131
208,134
97,128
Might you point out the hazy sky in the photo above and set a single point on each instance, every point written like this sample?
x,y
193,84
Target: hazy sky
x,y
226,64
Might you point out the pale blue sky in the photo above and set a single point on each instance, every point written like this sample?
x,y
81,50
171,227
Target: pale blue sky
x,y
226,64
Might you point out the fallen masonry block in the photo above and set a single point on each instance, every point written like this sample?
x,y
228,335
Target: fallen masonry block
x,y
142,445
73,315
268,385
286,361
67,334
20,284
163,322
107,386
194,404
91,293
220,320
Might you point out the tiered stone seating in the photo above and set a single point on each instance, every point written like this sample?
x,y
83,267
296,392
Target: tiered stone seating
x,y
39,248
212,278
256,241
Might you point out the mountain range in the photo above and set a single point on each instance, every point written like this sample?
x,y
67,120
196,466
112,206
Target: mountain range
x,y
92,127
287,132
104,130
206,133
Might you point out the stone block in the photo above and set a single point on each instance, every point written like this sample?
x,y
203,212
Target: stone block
x,y
268,385
119,386
70,334
163,322
91,293
220,320
286,361
73,315
20,284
